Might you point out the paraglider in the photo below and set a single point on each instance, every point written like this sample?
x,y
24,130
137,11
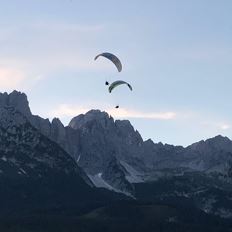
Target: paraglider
x,y
112,58
115,60
117,83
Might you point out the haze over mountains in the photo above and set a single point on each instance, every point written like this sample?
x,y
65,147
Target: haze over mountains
x,y
40,159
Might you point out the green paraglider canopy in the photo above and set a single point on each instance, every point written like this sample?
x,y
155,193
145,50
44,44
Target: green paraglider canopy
x,y
112,58
117,83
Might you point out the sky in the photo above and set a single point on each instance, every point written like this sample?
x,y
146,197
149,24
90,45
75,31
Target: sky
x,y
176,54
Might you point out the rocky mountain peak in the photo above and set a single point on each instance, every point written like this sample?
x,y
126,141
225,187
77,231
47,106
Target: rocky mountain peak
x,y
58,132
95,116
57,122
16,99
127,131
216,143
219,139
149,142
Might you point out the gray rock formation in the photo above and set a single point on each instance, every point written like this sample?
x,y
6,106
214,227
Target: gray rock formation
x,y
16,99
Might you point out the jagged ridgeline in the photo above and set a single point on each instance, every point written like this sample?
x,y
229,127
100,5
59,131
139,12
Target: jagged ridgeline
x,y
48,167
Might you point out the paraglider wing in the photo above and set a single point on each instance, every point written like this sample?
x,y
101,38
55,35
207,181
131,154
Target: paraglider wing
x,y
130,87
112,58
117,83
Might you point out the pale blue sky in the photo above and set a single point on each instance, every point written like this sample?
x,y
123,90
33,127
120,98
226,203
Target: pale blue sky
x,y
177,55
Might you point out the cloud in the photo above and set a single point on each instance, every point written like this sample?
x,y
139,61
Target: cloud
x,y
11,78
217,125
225,126
65,110
17,76
124,113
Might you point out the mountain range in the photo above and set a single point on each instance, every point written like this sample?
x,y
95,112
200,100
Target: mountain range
x,y
96,160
